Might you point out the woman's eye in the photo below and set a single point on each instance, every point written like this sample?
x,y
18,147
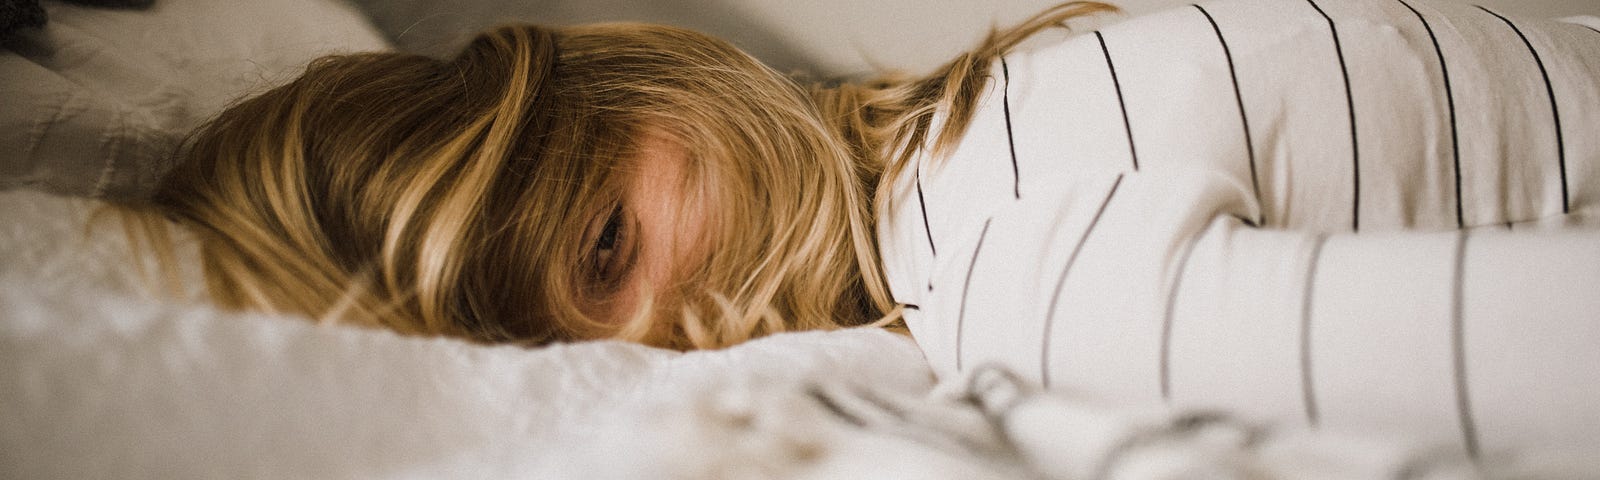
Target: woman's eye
x,y
605,248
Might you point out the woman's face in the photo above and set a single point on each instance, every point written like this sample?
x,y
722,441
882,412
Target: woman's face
x,y
651,238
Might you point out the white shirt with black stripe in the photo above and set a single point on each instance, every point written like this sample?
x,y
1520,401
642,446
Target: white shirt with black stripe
x,y
1367,215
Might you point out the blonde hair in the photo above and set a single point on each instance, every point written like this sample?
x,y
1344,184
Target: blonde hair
x,y
446,197
887,120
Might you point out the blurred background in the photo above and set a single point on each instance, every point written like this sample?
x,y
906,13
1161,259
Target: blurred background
x,y
826,38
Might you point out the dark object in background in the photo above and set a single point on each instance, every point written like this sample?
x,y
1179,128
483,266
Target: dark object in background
x,y
15,14
113,3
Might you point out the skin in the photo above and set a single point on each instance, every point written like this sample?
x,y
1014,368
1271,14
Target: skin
x,y
656,231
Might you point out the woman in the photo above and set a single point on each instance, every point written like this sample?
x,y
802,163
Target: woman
x,y
1163,211
653,184
626,181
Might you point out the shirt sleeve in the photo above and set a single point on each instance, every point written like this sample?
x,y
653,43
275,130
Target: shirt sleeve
x,y
1373,214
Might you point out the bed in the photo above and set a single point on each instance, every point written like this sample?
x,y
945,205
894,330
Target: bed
x,y
105,378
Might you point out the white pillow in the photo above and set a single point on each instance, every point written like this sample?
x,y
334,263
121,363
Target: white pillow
x,y
97,101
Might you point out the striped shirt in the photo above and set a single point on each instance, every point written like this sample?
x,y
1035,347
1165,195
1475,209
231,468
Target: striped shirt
x,y
1367,215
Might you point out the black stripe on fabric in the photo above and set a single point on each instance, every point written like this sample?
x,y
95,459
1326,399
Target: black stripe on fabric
x,y
961,314
1166,323
1434,463
911,306
1469,428
1308,390
1005,105
1181,430
923,206
1249,145
1050,315
1117,84
1350,103
832,406
1595,30
1555,113
1450,100
885,406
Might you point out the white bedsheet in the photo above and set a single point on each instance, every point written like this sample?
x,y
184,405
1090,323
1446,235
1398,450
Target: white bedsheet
x,y
117,388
